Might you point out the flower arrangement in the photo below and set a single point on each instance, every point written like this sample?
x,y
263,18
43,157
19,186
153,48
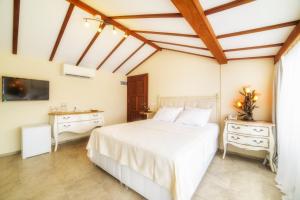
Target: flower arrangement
x,y
247,105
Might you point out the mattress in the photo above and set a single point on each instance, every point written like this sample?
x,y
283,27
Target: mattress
x,y
171,156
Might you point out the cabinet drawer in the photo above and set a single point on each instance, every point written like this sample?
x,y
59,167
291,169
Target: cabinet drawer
x,y
251,130
82,117
79,127
92,116
68,118
249,141
96,116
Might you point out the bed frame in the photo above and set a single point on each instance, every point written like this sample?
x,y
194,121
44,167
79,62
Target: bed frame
x,y
144,186
194,101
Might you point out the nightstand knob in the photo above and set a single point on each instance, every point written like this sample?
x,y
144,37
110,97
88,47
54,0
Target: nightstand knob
x,y
258,142
235,138
258,130
235,127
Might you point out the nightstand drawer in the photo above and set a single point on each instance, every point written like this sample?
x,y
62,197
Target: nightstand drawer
x,y
249,141
250,130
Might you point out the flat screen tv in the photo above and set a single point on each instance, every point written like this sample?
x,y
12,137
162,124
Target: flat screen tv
x,y
21,89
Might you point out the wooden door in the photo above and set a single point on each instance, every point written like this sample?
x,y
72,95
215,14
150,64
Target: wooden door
x,y
137,96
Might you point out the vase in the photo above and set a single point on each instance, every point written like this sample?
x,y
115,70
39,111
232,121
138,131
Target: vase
x,y
248,117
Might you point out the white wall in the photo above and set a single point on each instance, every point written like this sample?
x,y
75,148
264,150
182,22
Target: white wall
x,y
258,74
103,92
177,74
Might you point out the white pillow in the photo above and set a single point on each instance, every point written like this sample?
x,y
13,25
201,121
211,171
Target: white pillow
x,y
194,116
167,114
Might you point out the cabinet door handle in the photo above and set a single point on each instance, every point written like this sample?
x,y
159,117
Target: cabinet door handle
x,y
235,138
258,130
66,117
96,122
67,125
258,142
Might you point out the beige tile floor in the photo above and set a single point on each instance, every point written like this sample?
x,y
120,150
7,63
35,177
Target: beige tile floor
x,y
69,175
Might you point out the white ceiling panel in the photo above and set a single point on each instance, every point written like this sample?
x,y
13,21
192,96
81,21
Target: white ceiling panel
x,y
187,49
132,7
37,34
75,38
128,46
6,24
256,39
105,42
254,15
207,4
136,59
253,53
174,25
175,39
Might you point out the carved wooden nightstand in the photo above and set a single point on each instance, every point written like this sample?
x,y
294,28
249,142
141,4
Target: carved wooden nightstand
x,y
250,135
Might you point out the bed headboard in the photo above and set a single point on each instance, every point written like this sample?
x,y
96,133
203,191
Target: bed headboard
x,y
194,101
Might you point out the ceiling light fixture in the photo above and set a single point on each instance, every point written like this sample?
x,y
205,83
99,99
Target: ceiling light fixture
x,y
114,30
98,19
86,23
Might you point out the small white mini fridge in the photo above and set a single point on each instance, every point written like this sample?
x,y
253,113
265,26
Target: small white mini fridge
x,y
36,140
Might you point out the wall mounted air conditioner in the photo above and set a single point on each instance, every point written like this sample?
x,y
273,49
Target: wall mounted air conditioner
x,y
84,72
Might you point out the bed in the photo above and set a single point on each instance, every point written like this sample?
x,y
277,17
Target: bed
x,y
159,160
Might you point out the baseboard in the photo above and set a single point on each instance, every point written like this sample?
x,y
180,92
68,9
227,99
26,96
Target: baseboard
x,y
52,143
10,153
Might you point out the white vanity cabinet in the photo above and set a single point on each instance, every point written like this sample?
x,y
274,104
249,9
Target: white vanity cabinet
x,y
74,122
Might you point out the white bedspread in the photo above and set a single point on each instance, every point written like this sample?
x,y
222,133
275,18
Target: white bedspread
x,y
167,153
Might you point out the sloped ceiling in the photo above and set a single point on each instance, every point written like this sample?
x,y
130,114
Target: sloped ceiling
x,y
40,23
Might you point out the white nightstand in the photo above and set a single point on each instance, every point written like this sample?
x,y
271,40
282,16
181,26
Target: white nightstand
x,y
250,135
36,140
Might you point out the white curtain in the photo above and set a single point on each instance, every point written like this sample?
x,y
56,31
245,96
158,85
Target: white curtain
x,y
287,118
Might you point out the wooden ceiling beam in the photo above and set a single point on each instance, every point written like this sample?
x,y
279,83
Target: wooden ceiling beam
x,y
181,45
210,11
111,52
226,6
254,47
265,28
16,16
291,40
190,53
249,58
62,30
192,11
90,44
129,57
167,33
111,21
144,16
255,30
138,65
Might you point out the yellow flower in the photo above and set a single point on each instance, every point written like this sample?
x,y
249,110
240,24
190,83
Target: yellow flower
x,y
247,90
239,104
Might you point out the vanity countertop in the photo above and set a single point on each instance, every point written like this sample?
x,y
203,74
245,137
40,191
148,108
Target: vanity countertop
x,y
74,112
